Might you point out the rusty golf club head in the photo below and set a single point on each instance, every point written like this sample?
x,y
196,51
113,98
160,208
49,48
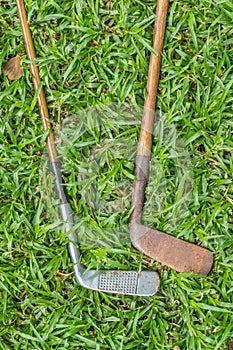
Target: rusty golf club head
x,y
168,250
176,253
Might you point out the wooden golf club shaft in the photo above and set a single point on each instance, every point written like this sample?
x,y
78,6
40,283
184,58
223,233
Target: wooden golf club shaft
x,y
43,109
169,250
36,78
145,138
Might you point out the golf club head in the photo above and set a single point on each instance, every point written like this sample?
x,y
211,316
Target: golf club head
x,y
180,255
145,283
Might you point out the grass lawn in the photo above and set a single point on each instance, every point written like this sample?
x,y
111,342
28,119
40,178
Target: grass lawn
x,y
97,52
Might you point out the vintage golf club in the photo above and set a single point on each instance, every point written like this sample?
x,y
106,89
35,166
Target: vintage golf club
x,y
143,283
169,250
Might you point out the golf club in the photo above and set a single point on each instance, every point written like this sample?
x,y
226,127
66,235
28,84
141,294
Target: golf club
x,y
169,250
143,283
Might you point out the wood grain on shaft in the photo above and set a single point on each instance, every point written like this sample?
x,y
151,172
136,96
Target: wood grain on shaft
x,y
145,139
36,79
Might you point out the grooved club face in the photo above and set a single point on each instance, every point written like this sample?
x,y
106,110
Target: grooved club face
x,y
145,283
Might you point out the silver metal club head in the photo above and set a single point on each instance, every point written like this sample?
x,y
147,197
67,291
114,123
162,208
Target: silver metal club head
x,y
144,283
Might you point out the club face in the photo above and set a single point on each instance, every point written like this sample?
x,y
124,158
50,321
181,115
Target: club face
x,y
180,255
145,283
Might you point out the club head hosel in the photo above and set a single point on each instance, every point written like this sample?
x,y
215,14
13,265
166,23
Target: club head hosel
x,y
77,267
73,252
67,217
138,198
138,195
142,166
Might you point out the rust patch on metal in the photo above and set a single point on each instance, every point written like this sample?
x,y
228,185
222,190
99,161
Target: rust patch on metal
x,y
171,251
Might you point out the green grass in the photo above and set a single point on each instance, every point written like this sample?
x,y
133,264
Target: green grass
x,y
97,52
